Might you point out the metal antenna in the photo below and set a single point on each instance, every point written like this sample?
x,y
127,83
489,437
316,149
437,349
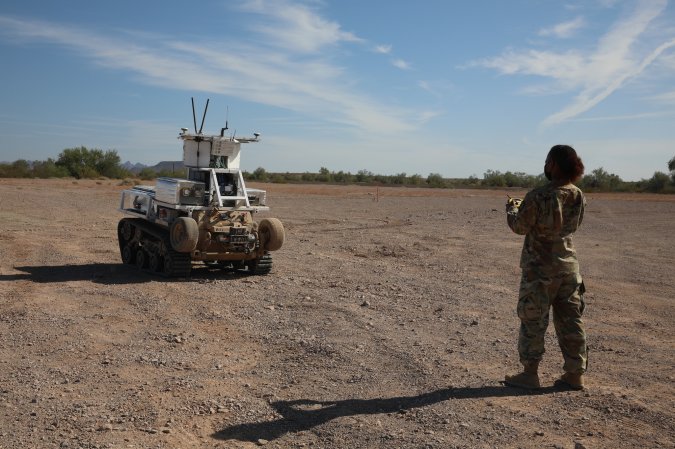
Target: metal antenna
x,y
194,117
204,116
222,130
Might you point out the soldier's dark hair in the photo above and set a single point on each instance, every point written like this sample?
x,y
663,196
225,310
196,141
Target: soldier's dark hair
x,y
568,161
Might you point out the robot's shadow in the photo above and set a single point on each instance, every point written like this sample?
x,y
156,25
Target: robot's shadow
x,y
111,274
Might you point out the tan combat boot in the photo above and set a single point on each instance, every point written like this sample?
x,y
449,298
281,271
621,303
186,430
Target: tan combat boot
x,y
528,378
574,381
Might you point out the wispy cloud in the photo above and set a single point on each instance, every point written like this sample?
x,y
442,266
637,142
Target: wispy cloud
x,y
666,97
608,3
612,118
425,85
295,26
595,75
396,62
563,30
591,96
566,68
289,69
401,64
383,49
437,88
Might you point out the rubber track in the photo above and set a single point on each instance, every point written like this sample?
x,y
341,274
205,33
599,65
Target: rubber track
x,y
262,265
181,262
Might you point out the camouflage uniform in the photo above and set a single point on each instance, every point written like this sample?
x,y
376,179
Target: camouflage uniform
x,y
548,216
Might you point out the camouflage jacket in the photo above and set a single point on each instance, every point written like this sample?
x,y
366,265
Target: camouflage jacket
x,y
548,216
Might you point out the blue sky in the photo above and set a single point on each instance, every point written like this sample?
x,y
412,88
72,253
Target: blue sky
x,y
388,86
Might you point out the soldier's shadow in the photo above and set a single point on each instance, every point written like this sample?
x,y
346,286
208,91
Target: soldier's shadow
x,y
303,414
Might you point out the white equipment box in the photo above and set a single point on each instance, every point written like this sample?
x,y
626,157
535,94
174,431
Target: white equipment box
x,y
179,191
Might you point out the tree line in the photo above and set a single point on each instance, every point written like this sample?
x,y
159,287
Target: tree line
x,y
598,180
82,162
79,163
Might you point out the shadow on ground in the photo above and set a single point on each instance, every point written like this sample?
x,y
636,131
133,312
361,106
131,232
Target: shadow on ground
x,y
109,274
305,414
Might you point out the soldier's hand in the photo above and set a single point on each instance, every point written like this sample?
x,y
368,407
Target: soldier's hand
x,y
513,203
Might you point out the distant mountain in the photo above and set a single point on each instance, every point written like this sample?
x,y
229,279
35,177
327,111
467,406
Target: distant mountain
x,y
161,166
134,168
169,166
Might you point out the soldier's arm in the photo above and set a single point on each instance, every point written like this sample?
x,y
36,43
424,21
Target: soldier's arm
x,y
522,218
583,208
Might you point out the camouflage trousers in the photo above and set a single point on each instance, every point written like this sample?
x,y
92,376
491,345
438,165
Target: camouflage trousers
x,y
565,295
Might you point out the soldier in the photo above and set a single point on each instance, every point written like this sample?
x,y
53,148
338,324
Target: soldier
x,y
548,216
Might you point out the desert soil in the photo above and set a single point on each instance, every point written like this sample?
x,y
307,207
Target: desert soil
x,y
388,321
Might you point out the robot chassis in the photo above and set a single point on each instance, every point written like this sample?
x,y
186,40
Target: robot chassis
x,y
206,217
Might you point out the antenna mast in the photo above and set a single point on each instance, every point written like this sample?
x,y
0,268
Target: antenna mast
x,y
204,116
194,117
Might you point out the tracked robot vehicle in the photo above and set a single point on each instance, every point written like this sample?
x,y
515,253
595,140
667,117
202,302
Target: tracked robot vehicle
x,y
207,217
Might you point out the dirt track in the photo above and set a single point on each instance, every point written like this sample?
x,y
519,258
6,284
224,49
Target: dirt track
x,y
384,324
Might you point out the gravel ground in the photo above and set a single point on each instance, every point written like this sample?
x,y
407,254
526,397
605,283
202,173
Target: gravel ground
x,y
388,321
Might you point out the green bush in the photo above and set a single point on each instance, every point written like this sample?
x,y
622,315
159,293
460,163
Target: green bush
x,y
147,174
435,180
278,178
81,162
17,169
48,169
342,177
601,180
324,175
364,176
658,182
259,174
415,180
494,178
